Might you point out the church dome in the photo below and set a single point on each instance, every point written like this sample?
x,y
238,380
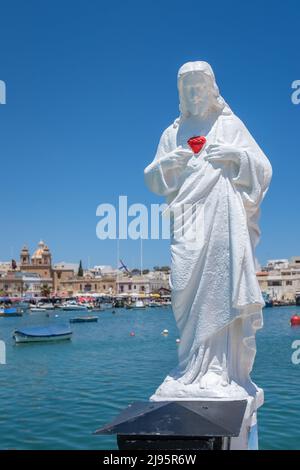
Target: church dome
x,y
42,248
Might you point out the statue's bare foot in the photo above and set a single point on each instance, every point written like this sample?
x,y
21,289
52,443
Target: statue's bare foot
x,y
211,380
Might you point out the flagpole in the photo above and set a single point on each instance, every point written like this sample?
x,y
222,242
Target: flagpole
x,y
118,257
141,260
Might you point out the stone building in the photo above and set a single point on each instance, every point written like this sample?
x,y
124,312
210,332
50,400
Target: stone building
x,y
281,279
145,284
18,283
39,263
85,285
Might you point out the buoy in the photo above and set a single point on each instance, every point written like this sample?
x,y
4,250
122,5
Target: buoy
x,y
165,332
295,320
177,340
132,333
56,316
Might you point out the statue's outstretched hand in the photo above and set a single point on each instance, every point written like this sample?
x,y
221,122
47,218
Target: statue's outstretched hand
x,y
222,152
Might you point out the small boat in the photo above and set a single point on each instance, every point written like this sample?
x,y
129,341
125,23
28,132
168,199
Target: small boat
x,y
10,312
37,309
42,333
83,319
24,306
73,306
106,305
154,304
118,303
267,299
46,305
138,304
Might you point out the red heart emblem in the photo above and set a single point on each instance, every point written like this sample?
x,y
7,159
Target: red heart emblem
x,y
197,143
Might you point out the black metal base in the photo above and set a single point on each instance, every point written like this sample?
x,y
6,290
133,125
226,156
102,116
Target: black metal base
x,y
146,442
177,425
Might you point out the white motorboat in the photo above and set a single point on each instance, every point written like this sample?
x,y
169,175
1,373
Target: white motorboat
x,y
37,309
138,304
46,305
73,306
106,305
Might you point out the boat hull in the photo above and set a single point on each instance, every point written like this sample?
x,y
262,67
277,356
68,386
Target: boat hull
x,y
21,338
83,319
74,308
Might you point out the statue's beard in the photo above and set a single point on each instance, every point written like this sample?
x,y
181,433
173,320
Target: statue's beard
x,y
199,110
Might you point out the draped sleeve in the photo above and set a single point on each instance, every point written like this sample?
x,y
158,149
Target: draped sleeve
x,y
165,174
254,169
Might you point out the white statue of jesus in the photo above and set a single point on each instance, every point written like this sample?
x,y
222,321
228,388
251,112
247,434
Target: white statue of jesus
x,y
216,298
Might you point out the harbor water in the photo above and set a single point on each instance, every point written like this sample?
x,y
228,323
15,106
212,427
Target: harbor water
x,y
54,395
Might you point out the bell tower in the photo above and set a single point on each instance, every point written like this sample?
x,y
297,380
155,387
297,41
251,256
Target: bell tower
x,y
46,256
24,257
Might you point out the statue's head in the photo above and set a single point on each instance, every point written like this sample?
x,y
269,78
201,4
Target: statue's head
x,y
198,92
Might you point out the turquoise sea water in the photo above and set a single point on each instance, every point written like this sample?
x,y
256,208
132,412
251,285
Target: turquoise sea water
x,y
53,396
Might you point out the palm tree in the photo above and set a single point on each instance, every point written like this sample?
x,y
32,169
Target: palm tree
x,y
45,290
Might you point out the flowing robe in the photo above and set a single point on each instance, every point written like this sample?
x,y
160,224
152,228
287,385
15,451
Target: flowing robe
x,y
216,299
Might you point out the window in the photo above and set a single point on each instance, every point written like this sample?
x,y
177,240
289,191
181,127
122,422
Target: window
x,y
129,286
134,286
104,286
289,283
274,283
122,288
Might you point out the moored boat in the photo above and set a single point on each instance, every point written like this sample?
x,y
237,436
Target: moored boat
x,y
42,333
73,306
138,304
84,319
46,305
10,312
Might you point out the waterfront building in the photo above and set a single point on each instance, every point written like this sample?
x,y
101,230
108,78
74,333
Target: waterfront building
x,y
18,283
5,267
133,285
281,279
63,273
146,284
86,285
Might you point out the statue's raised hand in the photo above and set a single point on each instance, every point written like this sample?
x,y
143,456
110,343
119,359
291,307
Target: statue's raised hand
x,y
222,153
183,152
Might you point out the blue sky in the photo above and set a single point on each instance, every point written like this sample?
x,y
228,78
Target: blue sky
x,y
91,86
